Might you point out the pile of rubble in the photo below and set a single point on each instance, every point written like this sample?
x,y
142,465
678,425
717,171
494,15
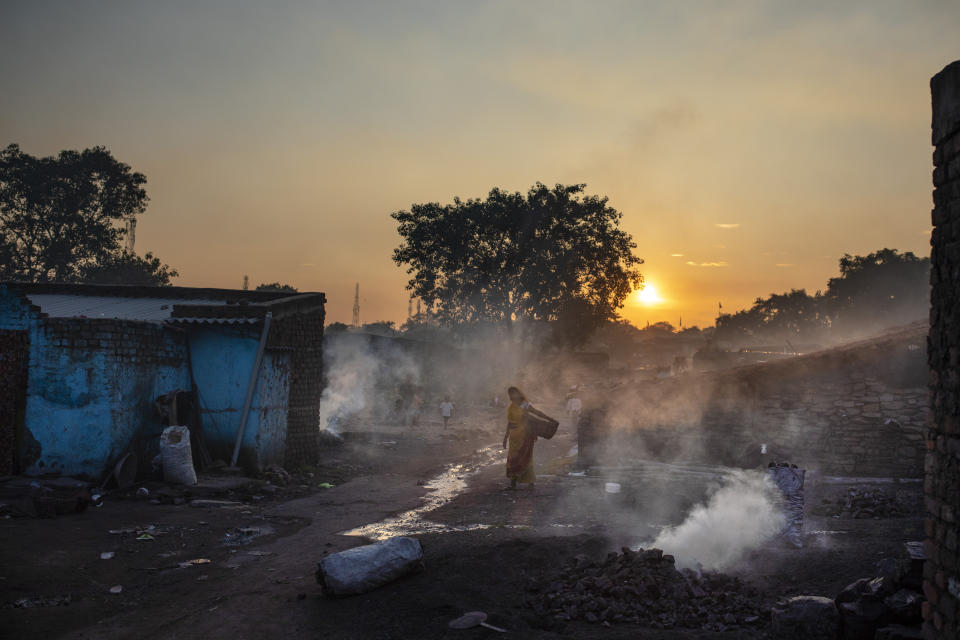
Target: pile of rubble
x,y
644,587
886,607
861,502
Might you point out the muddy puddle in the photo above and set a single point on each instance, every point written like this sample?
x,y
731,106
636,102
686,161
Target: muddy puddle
x,y
443,488
453,481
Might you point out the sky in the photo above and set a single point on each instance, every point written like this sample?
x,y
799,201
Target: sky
x,y
748,144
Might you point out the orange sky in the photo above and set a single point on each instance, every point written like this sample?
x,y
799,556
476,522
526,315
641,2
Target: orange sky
x,y
748,147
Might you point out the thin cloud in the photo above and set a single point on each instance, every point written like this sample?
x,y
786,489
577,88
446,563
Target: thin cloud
x,y
676,255
308,264
785,264
708,264
727,225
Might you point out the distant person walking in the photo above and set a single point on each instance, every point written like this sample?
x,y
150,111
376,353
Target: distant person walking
x,y
518,440
574,407
446,410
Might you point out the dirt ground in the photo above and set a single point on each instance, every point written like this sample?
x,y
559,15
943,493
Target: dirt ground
x,y
484,546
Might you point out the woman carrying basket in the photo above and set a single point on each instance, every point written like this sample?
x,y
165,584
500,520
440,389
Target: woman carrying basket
x,y
521,439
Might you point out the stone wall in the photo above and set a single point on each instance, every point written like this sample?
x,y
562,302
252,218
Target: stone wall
x,y
942,486
859,410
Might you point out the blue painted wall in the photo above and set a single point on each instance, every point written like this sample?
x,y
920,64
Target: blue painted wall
x,y
90,388
223,357
92,383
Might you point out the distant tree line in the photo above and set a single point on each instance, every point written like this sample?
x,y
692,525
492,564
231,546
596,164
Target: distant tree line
x,y
876,291
277,287
65,218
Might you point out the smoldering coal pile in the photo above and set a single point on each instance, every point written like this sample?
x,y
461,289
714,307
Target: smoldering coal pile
x,y
862,502
644,587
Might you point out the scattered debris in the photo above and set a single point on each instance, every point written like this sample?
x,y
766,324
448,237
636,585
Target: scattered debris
x,y
245,535
215,503
861,502
473,619
193,563
116,589
30,603
868,603
325,485
644,587
898,632
107,555
125,471
805,618
278,476
50,503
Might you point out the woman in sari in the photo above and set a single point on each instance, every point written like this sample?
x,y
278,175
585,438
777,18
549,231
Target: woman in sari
x,y
519,439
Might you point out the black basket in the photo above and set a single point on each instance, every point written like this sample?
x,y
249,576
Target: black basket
x,y
540,427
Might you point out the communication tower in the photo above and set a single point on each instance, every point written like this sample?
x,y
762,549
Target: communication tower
x,y
131,233
356,308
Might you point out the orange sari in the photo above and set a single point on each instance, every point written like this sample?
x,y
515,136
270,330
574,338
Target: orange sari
x,y
519,446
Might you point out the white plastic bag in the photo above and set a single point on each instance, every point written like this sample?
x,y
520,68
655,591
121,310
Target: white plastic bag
x,y
362,569
176,456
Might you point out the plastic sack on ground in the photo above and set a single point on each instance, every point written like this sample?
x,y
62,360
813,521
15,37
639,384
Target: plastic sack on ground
x,y
176,456
362,569
789,481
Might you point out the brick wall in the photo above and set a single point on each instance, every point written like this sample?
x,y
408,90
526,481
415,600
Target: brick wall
x,y
302,334
942,486
124,341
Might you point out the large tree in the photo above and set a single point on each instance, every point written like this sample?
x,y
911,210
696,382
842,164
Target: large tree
x,y
549,255
793,316
63,218
882,289
885,287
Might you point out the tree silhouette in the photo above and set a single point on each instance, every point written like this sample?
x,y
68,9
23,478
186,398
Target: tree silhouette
x,y
552,254
62,218
276,286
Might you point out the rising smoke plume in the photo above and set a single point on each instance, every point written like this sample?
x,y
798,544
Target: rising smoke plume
x,y
362,377
739,516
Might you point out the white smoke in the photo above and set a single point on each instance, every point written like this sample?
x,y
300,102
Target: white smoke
x,y
739,516
361,378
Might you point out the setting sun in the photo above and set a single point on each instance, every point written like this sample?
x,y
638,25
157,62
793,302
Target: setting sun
x,y
648,296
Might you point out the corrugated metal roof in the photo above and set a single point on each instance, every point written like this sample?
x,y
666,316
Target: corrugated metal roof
x,y
214,320
57,305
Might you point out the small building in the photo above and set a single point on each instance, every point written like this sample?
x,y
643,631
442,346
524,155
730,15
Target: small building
x,y
81,367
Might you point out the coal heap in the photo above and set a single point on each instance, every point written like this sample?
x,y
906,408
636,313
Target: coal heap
x,y
644,587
